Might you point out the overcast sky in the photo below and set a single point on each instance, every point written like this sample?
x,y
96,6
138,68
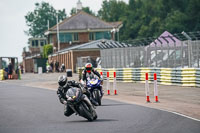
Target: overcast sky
x,y
12,21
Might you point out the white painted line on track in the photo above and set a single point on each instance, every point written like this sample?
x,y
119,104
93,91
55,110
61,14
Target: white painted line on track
x,y
189,117
180,114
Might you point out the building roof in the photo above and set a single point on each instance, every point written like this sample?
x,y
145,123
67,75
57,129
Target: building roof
x,y
84,21
165,39
112,44
85,46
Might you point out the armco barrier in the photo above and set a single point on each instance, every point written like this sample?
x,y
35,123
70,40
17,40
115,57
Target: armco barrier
x,y
165,76
1,74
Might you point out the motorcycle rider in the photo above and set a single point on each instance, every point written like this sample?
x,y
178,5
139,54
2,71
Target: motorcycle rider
x,y
89,71
64,85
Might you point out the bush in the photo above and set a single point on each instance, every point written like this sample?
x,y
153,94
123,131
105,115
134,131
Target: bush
x,y
47,50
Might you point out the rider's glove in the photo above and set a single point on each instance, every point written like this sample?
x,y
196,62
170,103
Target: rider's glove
x,y
64,102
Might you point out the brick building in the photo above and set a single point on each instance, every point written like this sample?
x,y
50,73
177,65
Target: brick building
x,y
78,36
35,49
81,28
68,56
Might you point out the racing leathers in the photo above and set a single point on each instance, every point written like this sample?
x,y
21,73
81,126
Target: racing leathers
x,y
93,72
61,92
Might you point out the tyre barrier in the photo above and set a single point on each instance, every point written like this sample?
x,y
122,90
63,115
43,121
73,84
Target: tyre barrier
x,y
198,77
188,77
1,74
166,76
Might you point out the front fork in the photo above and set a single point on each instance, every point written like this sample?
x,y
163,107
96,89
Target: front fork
x,y
72,107
88,101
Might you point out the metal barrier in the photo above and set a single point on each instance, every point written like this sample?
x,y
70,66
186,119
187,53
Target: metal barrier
x,y
165,76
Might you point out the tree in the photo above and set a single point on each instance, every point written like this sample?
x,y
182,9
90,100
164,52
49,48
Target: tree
x,y
112,10
193,13
85,9
37,20
47,50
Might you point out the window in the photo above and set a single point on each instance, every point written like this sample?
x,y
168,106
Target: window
x,y
33,43
62,37
51,39
92,36
102,35
99,35
107,35
65,37
75,37
36,43
42,43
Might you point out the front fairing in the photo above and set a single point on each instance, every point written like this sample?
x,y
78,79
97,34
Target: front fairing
x,y
93,83
74,95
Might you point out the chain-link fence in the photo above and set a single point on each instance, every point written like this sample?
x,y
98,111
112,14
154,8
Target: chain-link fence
x,y
159,53
81,61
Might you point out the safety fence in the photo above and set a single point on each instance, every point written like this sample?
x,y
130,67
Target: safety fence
x,y
165,76
184,54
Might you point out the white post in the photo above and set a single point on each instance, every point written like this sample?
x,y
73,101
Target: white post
x,y
155,88
114,83
108,84
147,88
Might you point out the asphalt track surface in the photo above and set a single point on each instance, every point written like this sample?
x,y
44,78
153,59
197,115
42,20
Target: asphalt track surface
x,y
34,110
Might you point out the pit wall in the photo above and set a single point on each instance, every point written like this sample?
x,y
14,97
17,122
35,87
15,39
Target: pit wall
x,y
166,76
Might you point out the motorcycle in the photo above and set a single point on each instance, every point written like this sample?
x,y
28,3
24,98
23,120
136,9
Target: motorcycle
x,y
80,104
93,85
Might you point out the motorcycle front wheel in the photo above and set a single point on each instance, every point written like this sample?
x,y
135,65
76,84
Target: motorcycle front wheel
x,y
97,96
86,112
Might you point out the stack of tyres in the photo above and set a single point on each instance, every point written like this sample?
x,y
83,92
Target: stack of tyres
x,y
189,77
1,74
119,74
143,72
80,69
127,75
176,76
166,76
111,74
158,72
137,74
197,77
